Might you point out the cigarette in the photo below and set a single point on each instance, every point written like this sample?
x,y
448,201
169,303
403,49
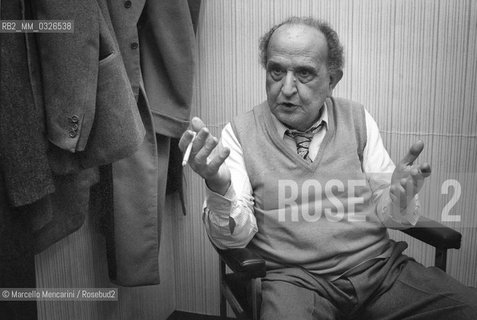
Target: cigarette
x,y
187,152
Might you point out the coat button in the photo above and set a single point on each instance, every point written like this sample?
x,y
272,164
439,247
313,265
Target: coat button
x,y
73,133
134,45
74,119
127,4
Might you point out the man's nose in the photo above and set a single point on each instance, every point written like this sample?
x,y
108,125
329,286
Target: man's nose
x,y
289,85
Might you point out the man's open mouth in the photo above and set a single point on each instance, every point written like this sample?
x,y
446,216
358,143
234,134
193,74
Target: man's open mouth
x,y
289,105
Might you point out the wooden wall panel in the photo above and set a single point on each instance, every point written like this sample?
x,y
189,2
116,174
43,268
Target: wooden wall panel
x,y
79,261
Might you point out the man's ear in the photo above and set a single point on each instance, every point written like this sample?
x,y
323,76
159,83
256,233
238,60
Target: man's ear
x,y
335,78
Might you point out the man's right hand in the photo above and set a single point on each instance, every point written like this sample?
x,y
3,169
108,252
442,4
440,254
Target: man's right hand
x,y
206,157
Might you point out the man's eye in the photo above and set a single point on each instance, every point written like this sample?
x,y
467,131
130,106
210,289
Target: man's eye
x,y
305,76
276,73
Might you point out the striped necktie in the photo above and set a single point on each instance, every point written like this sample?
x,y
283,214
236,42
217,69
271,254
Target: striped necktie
x,y
303,140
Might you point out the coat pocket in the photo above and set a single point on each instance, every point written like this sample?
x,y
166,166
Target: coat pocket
x,y
117,129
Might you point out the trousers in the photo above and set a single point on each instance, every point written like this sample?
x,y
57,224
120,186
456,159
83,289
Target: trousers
x,y
390,288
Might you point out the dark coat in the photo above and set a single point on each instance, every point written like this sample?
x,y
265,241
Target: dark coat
x,y
91,82
91,112
23,146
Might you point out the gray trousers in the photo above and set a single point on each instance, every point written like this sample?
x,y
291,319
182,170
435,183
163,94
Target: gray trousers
x,y
393,288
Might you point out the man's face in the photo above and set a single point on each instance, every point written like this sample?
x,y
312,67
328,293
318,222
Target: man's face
x,y
298,81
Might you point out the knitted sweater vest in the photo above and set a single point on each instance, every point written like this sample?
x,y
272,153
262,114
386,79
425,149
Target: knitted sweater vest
x,y
320,215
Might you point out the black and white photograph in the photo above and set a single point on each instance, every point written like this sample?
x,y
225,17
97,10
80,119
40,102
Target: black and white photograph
x,y
238,159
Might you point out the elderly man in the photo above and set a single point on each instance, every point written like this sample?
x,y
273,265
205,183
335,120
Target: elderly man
x,y
304,180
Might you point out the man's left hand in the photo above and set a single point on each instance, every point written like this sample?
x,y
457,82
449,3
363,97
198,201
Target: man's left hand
x,y
408,178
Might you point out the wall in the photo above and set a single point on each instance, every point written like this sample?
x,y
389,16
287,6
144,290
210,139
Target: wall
x,y
413,64
79,261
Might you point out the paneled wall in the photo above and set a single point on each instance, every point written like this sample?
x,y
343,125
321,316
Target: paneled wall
x,y
79,261
412,63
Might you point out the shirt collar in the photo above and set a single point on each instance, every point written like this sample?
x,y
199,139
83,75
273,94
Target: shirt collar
x,y
281,128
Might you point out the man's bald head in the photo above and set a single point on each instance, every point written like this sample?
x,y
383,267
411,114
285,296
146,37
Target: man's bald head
x,y
335,59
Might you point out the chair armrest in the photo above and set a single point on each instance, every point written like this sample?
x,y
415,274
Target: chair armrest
x,y
435,234
243,260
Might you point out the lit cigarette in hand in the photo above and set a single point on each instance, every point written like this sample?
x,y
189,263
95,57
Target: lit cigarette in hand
x,y
187,152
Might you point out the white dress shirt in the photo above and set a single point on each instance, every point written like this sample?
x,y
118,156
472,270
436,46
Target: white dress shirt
x,y
230,221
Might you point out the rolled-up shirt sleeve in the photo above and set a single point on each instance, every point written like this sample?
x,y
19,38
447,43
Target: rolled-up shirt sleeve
x,y
229,219
379,168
